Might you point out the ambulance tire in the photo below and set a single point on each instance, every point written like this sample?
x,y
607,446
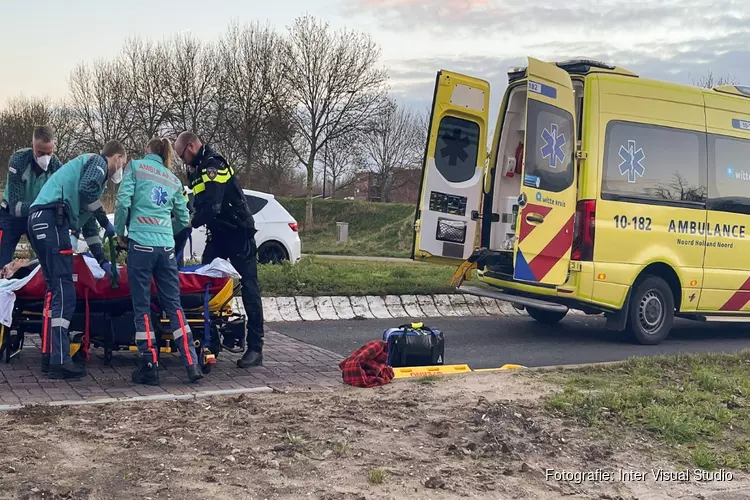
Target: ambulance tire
x,y
546,317
651,313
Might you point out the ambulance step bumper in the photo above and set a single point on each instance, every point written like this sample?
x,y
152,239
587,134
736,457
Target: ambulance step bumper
x,y
513,299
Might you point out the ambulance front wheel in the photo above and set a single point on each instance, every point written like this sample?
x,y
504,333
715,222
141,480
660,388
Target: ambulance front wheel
x,y
546,317
651,310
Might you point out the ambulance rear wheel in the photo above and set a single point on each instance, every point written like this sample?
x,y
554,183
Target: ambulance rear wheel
x,y
546,317
651,313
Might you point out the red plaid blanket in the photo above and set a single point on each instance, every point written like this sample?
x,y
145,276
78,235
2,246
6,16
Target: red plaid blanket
x,y
367,366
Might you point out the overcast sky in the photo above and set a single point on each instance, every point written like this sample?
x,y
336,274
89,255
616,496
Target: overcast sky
x,y
678,40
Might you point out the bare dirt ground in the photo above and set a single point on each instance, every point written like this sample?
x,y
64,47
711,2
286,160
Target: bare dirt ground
x,y
474,436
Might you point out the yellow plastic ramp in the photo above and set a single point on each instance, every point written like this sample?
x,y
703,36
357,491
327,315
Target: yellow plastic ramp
x,y
502,368
429,371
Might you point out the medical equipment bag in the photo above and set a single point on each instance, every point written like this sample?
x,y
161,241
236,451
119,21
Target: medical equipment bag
x,y
414,345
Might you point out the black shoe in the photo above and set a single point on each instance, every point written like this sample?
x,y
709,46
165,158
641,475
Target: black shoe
x,y
147,373
194,372
45,363
67,370
250,358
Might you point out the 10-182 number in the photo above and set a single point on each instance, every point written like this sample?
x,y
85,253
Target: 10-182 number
x,y
638,223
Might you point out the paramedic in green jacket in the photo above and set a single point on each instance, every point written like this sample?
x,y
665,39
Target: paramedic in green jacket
x,y
28,170
70,200
150,193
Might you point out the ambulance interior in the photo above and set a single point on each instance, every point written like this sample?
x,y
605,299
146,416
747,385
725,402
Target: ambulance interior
x,y
508,167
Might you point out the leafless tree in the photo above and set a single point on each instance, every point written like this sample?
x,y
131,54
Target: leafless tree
x,y
395,140
67,129
101,100
195,90
17,123
708,81
275,161
334,86
248,56
339,163
148,69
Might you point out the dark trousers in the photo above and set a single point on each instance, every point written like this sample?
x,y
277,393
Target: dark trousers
x,y
180,246
11,230
51,242
145,262
239,248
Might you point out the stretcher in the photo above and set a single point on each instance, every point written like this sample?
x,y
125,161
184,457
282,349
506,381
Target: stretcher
x,y
103,317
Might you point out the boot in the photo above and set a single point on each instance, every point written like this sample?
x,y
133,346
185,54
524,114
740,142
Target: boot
x,y
250,358
45,363
194,372
67,370
147,373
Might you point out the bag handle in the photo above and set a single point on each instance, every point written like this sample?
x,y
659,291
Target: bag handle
x,y
416,326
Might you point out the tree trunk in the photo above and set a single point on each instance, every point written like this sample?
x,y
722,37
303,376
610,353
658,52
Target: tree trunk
x,y
309,202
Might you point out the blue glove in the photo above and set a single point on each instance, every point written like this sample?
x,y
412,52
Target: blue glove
x,y
109,230
106,266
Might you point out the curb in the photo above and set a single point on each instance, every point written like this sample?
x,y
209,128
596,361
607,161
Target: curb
x,y
134,399
293,309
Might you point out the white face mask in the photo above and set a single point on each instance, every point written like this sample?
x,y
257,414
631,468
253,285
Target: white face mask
x,y
43,162
117,176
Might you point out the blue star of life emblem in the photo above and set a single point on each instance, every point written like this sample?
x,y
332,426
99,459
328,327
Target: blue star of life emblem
x,y
455,147
553,146
730,172
159,196
632,161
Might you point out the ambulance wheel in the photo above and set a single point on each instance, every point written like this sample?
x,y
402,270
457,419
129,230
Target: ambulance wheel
x,y
546,317
651,313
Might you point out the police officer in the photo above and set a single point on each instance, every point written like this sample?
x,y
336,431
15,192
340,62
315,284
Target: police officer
x,y
28,170
70,200
220,205
150,193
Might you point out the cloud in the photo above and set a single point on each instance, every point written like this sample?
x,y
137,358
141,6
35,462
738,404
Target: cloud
x,y
413,80
586,17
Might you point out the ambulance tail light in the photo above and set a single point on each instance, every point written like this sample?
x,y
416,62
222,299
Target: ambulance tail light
x,y
293,226
583,231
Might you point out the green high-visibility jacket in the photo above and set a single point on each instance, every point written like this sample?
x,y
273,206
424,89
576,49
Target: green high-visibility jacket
x,y
149,195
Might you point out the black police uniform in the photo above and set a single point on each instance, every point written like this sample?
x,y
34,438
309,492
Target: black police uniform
x,y
220,204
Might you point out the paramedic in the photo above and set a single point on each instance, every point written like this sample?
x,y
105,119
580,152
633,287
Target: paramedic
x,y
70,200
28,170
220,205
150,193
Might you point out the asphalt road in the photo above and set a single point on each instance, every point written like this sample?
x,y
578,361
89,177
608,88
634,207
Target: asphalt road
x,y
492,342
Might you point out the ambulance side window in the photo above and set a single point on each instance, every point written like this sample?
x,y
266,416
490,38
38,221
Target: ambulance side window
x,y
654,164
457,149
549,147
729,174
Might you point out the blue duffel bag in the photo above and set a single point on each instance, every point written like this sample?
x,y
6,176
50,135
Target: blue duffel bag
x,y
414,345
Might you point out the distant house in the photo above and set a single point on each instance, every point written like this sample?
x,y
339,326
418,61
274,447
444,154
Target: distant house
x,y
405,187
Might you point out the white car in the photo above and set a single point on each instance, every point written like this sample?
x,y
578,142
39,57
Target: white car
x,y
277,238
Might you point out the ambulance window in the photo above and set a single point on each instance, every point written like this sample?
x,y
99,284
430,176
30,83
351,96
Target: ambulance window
x,y
549,147
730,181
660,164
456,149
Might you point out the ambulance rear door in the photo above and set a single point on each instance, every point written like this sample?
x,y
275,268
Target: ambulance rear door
x,y
450,194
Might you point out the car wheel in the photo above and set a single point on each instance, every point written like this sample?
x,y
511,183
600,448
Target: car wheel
x,y
651,312
271,252
546,317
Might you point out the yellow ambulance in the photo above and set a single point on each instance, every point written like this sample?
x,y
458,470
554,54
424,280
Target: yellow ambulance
x,y
603,191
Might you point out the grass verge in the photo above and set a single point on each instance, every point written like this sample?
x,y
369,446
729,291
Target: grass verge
x,y
375,229
313,276
695,404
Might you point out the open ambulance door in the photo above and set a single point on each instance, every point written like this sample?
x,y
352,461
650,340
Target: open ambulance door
x,y
450,193
547,202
